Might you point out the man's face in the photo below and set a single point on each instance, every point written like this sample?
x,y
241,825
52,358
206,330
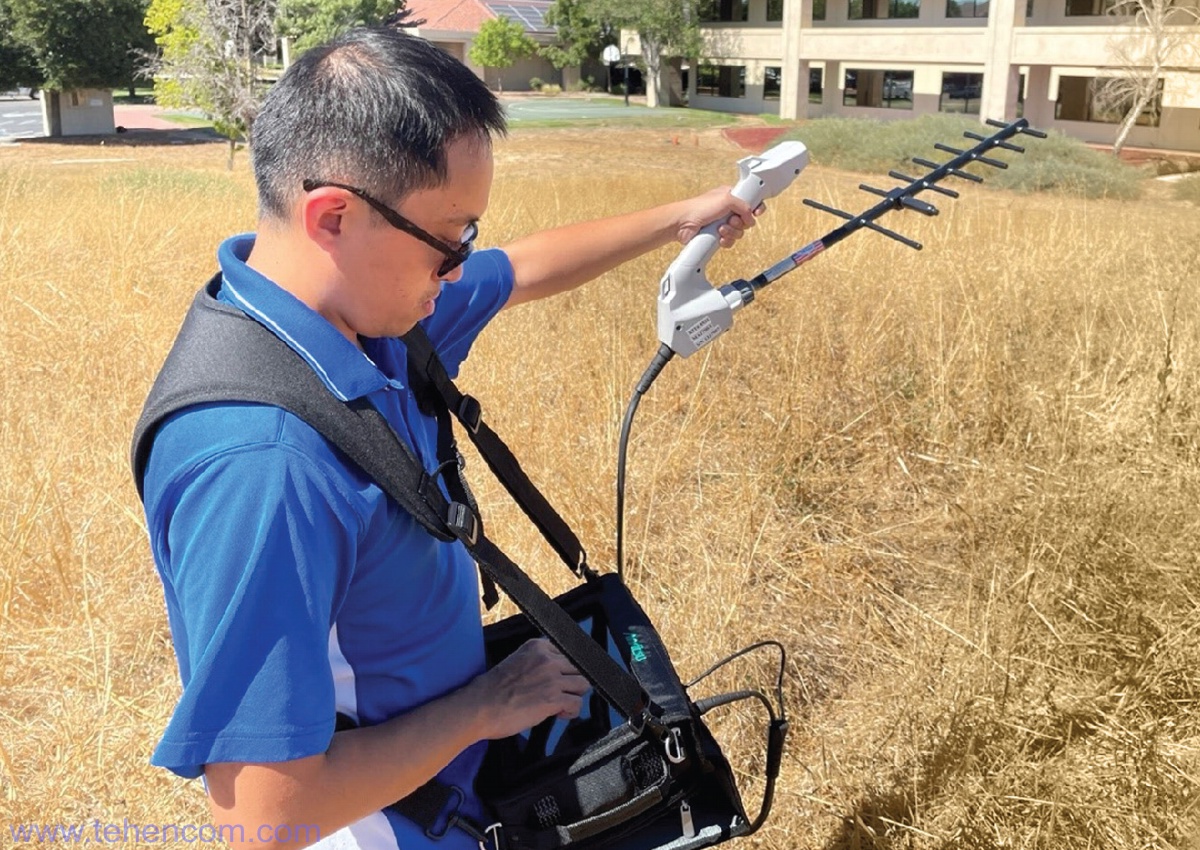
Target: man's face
x,y
388,278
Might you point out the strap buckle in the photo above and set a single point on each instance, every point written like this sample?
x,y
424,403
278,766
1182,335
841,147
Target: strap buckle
x,y
452,818
470,413
461,520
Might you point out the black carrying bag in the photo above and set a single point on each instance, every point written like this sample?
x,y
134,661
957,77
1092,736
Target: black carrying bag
x,y
595,781
638,769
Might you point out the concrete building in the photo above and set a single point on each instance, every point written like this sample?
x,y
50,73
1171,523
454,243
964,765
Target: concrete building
x,y
898,58
453,24
80,112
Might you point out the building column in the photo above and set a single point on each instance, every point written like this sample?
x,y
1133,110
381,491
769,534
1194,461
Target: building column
x,y
793,88
1039,108
1000,76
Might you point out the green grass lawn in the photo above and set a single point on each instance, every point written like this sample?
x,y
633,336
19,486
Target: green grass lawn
x,y
555,112
122,97
184,119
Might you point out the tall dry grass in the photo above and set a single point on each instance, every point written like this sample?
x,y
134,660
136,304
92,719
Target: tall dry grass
x,y
959,485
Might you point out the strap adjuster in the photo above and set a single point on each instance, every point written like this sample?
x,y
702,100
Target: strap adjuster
x,y
453,817
461,520
470,413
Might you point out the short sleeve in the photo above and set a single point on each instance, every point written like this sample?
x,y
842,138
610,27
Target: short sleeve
x,y
466,306
259,547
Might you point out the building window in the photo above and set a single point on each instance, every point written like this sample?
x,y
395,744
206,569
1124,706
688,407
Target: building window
x,y
724,11
961,93
816,84
887,89
861,10
772,81
721,81
1089,8
967,8
774,10
1079,99
818,10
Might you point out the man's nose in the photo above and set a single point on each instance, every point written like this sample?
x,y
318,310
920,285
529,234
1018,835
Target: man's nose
x,y
454,275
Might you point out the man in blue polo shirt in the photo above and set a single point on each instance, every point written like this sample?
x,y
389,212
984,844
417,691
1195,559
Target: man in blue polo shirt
x,y
295,589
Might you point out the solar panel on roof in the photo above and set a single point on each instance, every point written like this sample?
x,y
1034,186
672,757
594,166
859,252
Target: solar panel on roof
x,y
530,15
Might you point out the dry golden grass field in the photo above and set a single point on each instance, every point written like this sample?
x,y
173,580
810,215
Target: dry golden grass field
x,y
960,485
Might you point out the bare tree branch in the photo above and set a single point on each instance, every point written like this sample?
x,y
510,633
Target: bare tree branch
x,y
1157,38
209,56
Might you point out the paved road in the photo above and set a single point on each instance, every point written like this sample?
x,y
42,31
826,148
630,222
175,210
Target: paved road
x,y
20,117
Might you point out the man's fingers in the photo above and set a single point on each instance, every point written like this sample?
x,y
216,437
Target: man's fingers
x,y
575,683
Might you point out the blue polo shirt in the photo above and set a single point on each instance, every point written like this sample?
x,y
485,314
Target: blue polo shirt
x,y
295,587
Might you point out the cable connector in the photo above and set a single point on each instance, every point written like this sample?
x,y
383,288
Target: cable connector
x,y
660,361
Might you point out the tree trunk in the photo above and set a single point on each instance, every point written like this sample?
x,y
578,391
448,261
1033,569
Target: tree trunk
x,y
1127,125
652,53
1146,92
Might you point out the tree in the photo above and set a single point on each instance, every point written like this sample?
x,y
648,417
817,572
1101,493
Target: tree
x,y
500,43
666,28
580,35
207,51
74,44
18,64
1158,38
312,22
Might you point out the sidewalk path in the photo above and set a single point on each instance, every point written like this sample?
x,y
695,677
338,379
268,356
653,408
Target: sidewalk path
x,y
755,139
142,117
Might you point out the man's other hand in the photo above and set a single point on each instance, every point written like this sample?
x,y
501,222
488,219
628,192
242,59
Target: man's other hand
x,y
535,682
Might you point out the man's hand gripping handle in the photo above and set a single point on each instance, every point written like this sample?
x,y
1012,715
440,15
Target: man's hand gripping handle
x,y
691,312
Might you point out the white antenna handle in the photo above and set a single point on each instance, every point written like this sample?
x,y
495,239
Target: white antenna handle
x,y
691,313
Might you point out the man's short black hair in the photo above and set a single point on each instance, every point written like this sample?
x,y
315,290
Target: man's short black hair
x,y
375,108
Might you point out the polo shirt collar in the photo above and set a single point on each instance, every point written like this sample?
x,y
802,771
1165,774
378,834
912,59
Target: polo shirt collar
x,y
345,370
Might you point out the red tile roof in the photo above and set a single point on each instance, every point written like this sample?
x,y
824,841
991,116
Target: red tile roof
x,y
466,15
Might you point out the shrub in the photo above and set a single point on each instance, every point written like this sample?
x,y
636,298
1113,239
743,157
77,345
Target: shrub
x,y
1056,163
536,83
1187,188
551,88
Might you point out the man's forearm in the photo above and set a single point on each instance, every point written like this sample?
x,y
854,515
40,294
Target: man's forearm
x,y
363,771
561,259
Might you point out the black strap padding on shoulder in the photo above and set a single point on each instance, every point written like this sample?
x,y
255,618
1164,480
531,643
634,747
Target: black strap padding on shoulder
x,y
428,375
223,355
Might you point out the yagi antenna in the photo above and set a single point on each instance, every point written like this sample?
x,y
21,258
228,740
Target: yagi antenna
x,y
692,312
904,197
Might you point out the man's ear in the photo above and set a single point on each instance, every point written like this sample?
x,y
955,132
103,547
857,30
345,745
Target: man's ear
x,y
322,212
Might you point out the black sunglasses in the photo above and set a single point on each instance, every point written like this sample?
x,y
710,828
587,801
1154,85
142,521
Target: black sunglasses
x,y
455,257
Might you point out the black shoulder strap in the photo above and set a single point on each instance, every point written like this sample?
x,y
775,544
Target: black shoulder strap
x,y
223,355
435,391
